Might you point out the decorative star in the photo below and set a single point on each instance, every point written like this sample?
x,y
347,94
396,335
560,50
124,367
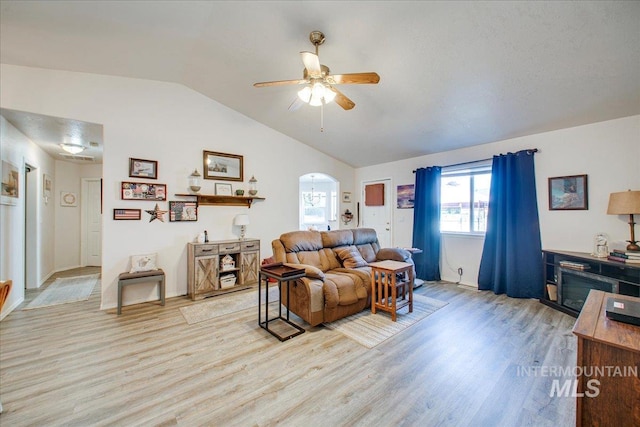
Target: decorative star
x,y
157,213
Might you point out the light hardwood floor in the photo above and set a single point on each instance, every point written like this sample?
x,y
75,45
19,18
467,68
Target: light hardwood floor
x,y
75,365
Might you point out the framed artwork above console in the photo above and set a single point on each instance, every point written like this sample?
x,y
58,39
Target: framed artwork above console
x,y
568,193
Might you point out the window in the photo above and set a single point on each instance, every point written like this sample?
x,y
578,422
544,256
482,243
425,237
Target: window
x,y
464,198
318,203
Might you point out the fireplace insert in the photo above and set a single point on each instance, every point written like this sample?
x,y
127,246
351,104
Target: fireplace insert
x,y
574,286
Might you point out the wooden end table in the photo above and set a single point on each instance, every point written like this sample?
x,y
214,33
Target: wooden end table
x,y
603,397
282,274
384,279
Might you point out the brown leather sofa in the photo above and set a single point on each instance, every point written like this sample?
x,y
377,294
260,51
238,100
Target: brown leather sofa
x,y
338,281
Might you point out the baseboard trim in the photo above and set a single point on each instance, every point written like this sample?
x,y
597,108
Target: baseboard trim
x,y
9,309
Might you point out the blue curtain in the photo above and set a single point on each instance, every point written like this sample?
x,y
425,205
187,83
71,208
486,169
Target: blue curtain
x,y
426,223
511,260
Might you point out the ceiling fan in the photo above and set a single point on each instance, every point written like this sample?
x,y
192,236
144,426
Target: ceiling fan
x,y
318,83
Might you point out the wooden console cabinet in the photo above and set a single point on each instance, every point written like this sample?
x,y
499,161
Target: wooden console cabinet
x,y
601,273
610,397
208,277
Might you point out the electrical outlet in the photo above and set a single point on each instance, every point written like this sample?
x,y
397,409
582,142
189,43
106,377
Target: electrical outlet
x,y
459,271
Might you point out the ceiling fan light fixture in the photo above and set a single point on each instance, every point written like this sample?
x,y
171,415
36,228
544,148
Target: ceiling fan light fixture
x,y
315,102
72,148
318,83
305,94
329,95
317,94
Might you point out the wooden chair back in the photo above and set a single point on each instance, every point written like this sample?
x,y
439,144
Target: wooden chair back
x,y
5,288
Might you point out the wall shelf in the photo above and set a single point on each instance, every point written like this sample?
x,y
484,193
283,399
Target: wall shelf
x,y
210,199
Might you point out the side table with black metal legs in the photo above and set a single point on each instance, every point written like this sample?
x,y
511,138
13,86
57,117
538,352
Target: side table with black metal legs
x,y
283,275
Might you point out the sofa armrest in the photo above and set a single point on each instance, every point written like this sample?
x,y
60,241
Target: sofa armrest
x,y
394,254
309,270
398,254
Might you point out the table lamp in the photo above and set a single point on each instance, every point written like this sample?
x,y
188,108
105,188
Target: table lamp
x,y
242,220
626,203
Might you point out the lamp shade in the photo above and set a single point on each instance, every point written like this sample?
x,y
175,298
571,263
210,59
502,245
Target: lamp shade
x,y
624,203
242,219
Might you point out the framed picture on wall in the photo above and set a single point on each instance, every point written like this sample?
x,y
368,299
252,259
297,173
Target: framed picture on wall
x,y
221,166
10,183
68,199
223,189
183,211
568,193
141,168
126,214
47,187
405,196
143,191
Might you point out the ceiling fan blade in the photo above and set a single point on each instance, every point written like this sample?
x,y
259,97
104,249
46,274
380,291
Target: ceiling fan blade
x,y
312,64
280,83
354,78
342,100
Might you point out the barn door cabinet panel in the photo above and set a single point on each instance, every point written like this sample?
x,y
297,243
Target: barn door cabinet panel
x,y
222,266
250,261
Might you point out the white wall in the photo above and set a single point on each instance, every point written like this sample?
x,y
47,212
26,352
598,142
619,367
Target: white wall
x,y
173,125
608,152
17,149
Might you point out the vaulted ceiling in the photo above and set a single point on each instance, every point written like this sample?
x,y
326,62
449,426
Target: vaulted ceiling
x,y
452,74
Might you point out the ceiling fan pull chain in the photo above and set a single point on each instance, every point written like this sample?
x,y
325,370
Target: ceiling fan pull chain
x,y
322,117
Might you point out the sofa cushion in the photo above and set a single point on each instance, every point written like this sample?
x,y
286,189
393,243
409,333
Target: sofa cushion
x,y
335,238
297,241
366,240
367,251
364,235
329,259
340,289
350,257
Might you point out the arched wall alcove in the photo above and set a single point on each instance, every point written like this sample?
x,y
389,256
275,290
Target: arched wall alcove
x,y
318,202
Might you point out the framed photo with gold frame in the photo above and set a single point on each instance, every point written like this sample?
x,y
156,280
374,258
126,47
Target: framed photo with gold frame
x,y
222,166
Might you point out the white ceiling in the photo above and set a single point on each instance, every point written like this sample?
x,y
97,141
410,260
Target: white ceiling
x,y
49,132
452,74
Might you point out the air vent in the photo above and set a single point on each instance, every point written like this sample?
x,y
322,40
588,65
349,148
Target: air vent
x,y
77,157
93,144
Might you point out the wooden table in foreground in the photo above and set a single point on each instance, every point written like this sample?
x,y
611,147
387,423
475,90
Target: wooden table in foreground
x,y
614,348
384,276
283,275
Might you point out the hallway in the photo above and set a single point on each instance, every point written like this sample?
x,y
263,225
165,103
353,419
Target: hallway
x,y
31,294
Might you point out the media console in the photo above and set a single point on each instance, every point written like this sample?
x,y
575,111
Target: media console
x,y
569,276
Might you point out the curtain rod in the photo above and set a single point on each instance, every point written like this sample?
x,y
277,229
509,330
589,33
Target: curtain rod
x,y
533,150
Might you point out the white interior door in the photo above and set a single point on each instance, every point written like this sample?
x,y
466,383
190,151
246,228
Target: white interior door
x,y
379,217
92,222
